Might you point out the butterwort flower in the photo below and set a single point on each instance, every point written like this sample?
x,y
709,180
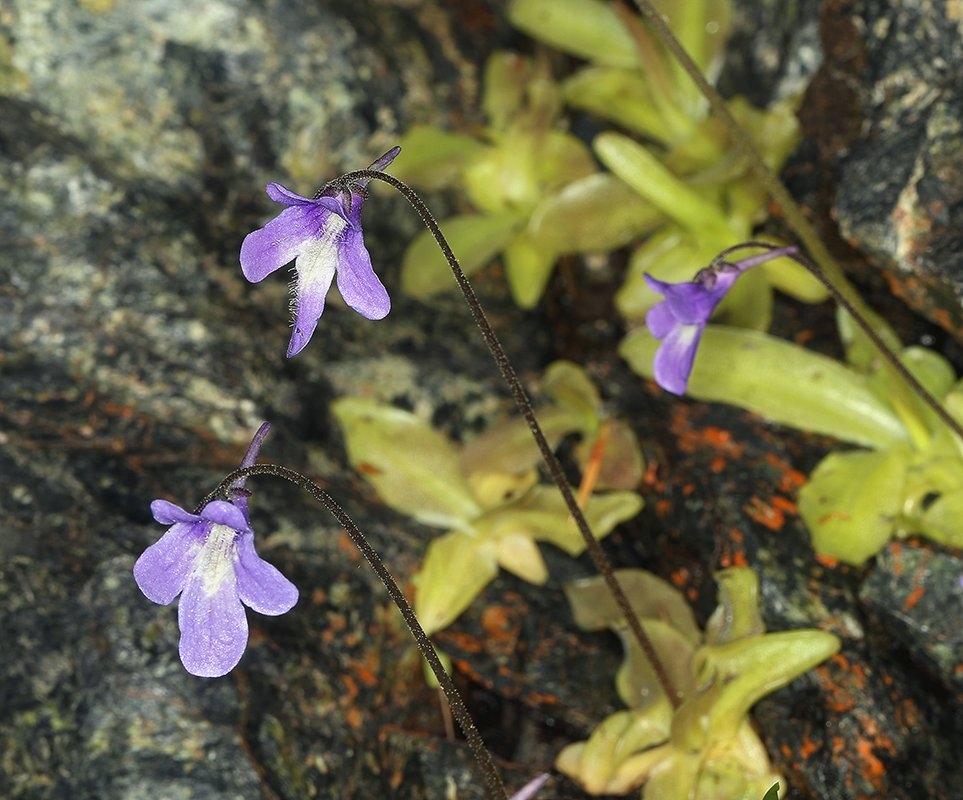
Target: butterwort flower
x,y
209,560
680,319
530,789
323,236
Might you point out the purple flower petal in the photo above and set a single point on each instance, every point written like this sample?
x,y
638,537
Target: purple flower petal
x,y
315,271
260,585
213,628
675,356
166,513
269,248
380,163
692,303
163,568
323,235
530,789
660,320
280,194
250,457
360,288
680,319
227,514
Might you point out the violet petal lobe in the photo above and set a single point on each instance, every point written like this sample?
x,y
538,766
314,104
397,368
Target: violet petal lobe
x,y
692,303
315,268
280,241
283,195
675,357
163,568
213,628
660,320
384,160
221,512
166,513
260,585
360,288
530,789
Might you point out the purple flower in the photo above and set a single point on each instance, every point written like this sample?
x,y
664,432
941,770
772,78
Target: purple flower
x,y
680,319
209,559
323,235
530,789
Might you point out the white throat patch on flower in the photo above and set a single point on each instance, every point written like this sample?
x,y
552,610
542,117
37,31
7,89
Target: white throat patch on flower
x,y
316,263
215,561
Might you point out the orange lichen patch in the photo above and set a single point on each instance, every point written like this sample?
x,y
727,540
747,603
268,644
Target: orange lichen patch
x,y
366,670
680,577
543,698
367,469
662,508
500,628
809,746
790,480
913,597
838,699
919,578
827,561
651,477
834,515
784,504
767,515
896,548
733,560
353,717
350,690
733,550
710,438
918,295
463,641
872,767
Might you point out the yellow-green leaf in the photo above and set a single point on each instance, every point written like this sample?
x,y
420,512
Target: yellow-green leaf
x,y
781,381
475,240
457,567
413,468
852,502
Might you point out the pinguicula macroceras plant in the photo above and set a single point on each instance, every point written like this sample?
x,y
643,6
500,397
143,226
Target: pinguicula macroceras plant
x,y
486,494
538,195
908,475
678,181
701,743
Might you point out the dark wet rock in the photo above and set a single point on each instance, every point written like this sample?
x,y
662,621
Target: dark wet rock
x,y
916,595
900,188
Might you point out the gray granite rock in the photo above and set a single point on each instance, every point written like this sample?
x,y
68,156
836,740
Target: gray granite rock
x,y
900,197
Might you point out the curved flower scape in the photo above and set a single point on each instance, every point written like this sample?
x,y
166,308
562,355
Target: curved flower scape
x,y
323,235
209,559
680,319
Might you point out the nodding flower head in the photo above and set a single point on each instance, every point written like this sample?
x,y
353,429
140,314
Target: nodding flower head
x,y
323,236
209,559
681,317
